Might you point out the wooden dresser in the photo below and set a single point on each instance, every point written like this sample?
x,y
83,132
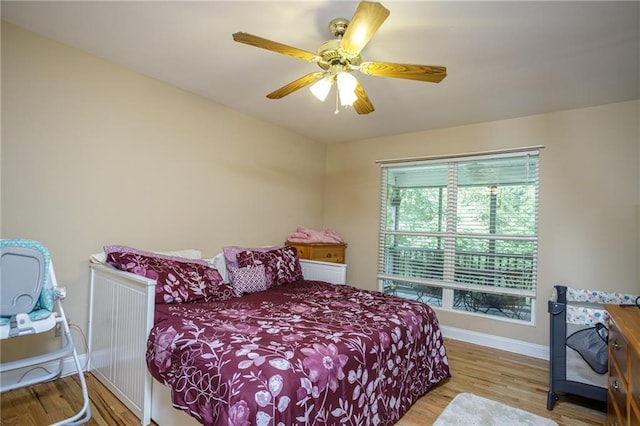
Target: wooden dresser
x,y
624,366
323,252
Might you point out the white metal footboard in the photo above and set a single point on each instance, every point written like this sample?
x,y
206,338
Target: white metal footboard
x,y
120,318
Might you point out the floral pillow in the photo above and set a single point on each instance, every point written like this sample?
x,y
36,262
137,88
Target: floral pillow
x,y
178,280
231,254
281,265
250,279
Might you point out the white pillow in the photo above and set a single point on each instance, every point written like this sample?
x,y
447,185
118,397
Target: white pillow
x,y
219,263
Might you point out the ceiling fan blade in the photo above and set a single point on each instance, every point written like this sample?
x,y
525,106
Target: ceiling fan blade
x,y
363,105
263,43
295,85
365,22
430,73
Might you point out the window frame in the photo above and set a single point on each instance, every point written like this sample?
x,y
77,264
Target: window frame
x,y
448,282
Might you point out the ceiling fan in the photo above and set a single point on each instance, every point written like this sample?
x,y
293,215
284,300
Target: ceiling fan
x,y
339,57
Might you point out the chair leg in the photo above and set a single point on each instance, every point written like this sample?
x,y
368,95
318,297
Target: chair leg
x,y
84,414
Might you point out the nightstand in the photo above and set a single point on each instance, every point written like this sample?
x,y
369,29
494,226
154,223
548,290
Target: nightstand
x,y
322,252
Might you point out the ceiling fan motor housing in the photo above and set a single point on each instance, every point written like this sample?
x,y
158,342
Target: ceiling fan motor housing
x,y
331,55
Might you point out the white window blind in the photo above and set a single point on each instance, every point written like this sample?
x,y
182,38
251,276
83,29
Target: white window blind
x,y
467,223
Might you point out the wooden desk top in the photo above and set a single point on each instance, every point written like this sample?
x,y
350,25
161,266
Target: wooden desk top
x,y
628,321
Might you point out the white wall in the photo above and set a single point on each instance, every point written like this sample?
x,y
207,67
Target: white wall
x,y
589,195
94,154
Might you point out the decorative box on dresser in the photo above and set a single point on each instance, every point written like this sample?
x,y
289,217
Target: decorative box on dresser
x,y
322,252
624,366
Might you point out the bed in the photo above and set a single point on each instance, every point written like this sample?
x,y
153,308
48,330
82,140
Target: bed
x,y
301,352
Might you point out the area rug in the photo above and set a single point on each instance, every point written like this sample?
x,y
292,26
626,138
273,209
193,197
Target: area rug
x,y
470,410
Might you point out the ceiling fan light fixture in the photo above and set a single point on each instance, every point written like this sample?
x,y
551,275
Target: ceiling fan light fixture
x,y
339,57
347,84
347,98
321,88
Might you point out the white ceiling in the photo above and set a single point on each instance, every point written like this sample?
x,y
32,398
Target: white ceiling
x,y
504,59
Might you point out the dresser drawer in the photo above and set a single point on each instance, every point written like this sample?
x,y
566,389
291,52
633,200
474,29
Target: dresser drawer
x,y
323,252
328,254
634,378
618,348
613,418
617,394
634,419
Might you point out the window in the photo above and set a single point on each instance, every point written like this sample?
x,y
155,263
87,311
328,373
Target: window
x,y
462,233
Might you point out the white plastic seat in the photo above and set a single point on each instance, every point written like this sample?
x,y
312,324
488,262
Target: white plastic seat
x,y
28,295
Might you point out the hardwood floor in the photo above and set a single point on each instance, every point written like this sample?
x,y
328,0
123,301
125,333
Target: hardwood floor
x,y
513,379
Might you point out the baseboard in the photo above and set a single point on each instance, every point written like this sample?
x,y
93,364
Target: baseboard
x,y
497,342
68,368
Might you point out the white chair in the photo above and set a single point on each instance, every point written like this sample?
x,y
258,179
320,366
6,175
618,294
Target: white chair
x,y
28,294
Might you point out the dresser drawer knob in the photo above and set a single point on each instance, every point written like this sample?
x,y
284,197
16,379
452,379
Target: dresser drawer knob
x,y
616,345
329,255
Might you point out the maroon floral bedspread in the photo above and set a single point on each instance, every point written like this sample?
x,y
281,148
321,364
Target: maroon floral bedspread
x,y
306,353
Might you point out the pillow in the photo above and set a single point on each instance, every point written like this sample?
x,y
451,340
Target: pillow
x,y
267,261
218,262
230,258
231,252
250,279
281,265
178,280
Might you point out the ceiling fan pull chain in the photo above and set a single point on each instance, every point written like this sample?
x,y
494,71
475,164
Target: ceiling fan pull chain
x,y
337,111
